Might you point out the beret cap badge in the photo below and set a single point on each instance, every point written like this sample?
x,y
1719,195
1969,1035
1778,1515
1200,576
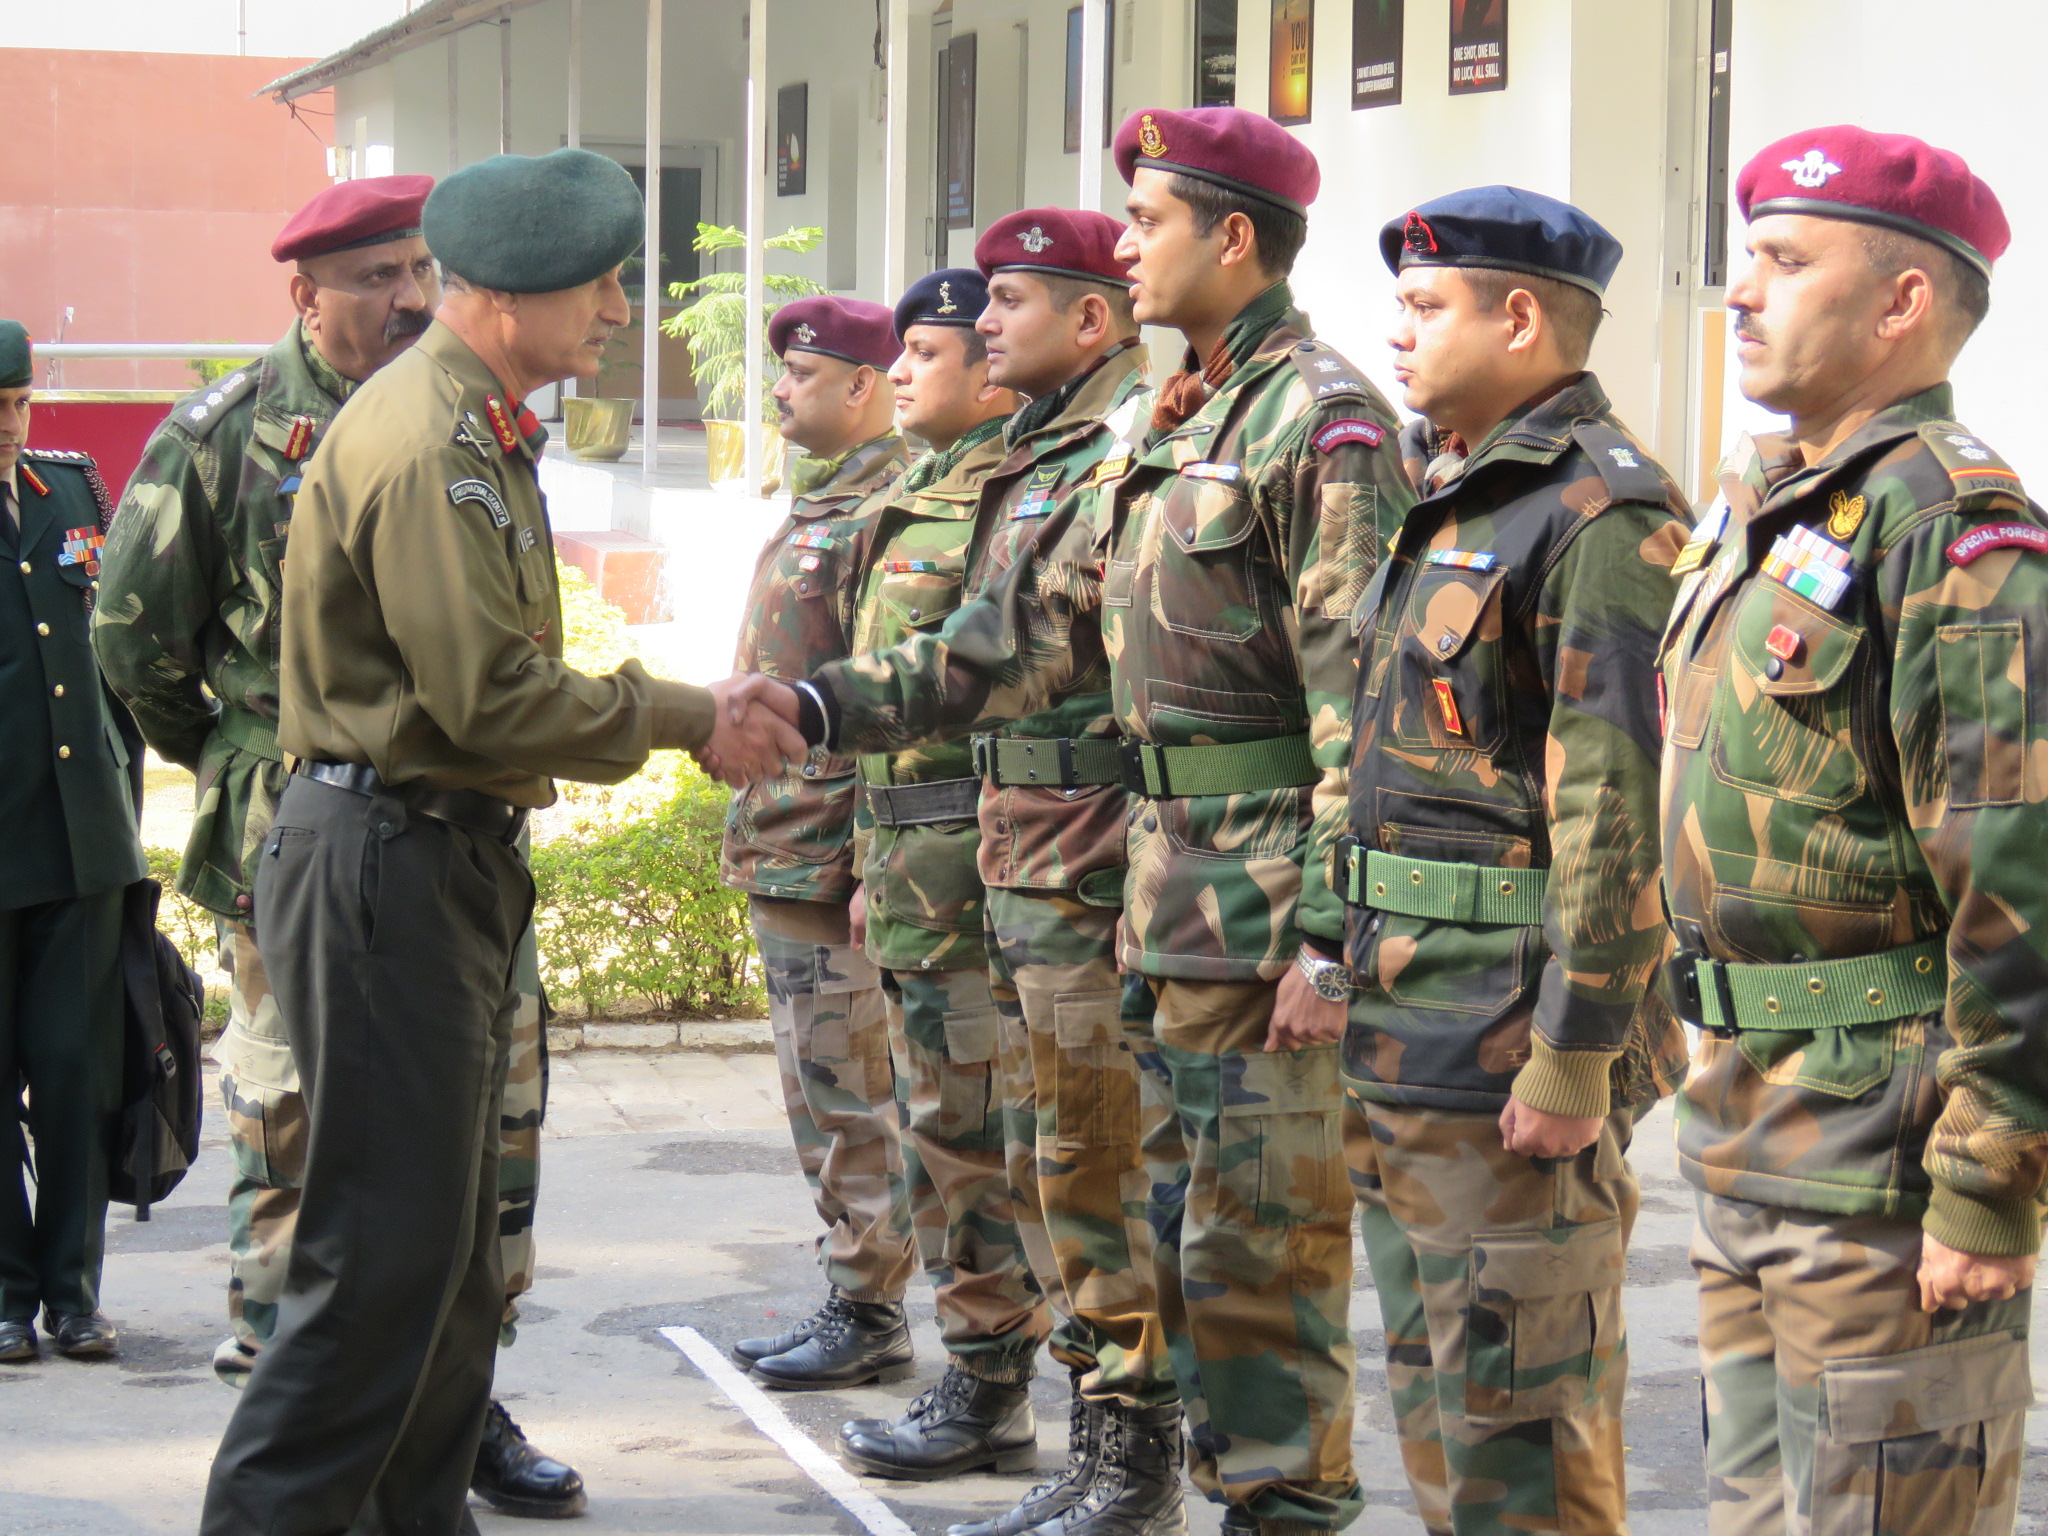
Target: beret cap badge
x,y
1151,142
946,304
1035,240
1418,236
1812,169
806,335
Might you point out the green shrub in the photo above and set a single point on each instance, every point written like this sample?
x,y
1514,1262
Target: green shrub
x,y
636,912
191,927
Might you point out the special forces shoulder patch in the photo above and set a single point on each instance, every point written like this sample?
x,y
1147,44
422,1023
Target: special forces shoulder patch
x,y
486,496
1349,430
1981,541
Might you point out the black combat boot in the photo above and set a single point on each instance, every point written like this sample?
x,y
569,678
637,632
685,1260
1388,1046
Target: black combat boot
x,y
747,1351
858,1342
516,1479
1136,1491
964,1424
1054,1497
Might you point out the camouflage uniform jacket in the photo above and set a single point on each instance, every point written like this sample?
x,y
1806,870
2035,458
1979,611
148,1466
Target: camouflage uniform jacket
x,y
1222,566
924,891
1036,838
1842,779
191,590
1508,720
790,836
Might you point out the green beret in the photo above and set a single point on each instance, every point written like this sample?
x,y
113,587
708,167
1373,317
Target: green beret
x,y
535,224
17,361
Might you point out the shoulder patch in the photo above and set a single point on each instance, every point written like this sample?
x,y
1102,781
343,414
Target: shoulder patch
x,y
485,495
1327,372
1982,540
1350,429
1971,465
1630,474
200,412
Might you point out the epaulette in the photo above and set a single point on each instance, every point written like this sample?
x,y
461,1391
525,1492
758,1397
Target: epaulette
x,y
1976,471
86,466
1628,475
199,413
1327,372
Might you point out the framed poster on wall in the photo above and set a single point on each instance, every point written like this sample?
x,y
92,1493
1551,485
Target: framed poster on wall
x,y
792,138
1293,59
1479,46
956,132
1376,33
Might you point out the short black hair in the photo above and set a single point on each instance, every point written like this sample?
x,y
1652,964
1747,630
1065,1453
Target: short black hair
x,y
1278,232
977,344
1961,290
1066,292
1574,313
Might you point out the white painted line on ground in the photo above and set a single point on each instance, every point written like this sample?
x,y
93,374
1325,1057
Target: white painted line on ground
x,y
828,1474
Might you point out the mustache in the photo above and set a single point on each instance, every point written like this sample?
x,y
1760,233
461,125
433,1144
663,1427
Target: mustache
x,y
1747,329
406,322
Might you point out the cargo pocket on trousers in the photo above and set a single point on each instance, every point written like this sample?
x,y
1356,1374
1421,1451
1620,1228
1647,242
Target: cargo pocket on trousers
x,y
967,1077
1914,1443
1544,1318
1280,1155
824,1021
1095,1097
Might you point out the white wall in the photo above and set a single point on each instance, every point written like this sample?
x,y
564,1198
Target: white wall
x,y
293,29
1969,83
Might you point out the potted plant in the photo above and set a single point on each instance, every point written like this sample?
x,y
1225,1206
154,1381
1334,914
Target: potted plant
x,y
714,325
600,426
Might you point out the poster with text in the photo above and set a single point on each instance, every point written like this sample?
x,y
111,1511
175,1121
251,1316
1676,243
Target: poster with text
x,y
1479,46
792,133
1293,56
1376,28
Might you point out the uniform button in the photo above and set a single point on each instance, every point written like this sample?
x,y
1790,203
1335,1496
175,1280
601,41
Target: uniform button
x,y
1774,669
1191,531
810,770
924,965
63,751
243,903
58,691
43,630
26,567
95,586
803,589
917,613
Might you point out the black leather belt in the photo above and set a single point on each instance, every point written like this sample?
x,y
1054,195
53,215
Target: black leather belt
x,y
920,805
469,808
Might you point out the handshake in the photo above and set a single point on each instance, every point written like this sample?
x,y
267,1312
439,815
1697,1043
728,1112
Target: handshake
x,y
756,735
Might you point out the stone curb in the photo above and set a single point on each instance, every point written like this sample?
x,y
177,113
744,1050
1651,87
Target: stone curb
x,y
748,1035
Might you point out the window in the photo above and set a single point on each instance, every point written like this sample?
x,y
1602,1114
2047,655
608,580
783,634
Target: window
x,y
1216,53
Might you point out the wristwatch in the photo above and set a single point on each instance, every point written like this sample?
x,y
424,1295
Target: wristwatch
x,y
1331,980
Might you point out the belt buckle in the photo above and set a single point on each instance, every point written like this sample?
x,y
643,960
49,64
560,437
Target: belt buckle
x,y
981,755
1130,762
1350,868
1687,992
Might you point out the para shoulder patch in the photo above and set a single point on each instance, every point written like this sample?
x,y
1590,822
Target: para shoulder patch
x,y
1974,468
1624,468
201,411
1327,372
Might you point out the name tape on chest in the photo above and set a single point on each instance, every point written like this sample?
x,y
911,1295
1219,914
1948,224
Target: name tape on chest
x,y
1349,430
1811,565
1981,541
484,495
1462,559
1228,474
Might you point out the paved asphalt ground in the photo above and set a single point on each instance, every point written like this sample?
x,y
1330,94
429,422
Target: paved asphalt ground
x,y
669,1200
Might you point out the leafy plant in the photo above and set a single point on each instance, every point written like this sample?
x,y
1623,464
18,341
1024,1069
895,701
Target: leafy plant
x,y
194,931
210,370
715,322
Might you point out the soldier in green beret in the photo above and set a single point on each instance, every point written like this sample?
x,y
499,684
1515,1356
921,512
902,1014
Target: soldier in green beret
x,y
67,802
186,630
423,693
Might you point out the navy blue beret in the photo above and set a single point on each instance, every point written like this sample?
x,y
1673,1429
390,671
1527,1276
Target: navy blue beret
x,y
949,296
535,223
1505,228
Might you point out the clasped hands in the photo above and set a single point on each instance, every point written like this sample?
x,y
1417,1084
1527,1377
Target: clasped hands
x,y
756,735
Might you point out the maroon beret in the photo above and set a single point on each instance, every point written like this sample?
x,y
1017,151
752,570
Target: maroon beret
x,y
1892,180
349,214
852,330
1062,242
1241,150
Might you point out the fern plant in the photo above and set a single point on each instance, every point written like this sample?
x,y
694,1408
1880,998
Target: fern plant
x,y
714,324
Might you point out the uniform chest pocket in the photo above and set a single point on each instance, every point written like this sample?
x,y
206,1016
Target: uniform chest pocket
x,y
807,573
1449,661
1787,714
918,599
1206,585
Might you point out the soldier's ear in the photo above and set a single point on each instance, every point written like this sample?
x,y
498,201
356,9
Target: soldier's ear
x,y
305,295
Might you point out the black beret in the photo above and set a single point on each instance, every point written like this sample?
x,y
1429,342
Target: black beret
x,y
1508,229
949,296
535,224
17,358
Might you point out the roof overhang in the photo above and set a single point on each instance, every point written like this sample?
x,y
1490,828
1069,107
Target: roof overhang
x,y
436,19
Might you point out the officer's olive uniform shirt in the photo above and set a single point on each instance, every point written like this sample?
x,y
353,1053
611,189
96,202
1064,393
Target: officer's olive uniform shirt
x,y
64,798
423,631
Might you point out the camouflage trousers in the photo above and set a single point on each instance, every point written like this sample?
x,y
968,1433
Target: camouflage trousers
x,y
1251,1224
1499,1281
267,1128
839,1091
1073,1128
1833,1404
954,1076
